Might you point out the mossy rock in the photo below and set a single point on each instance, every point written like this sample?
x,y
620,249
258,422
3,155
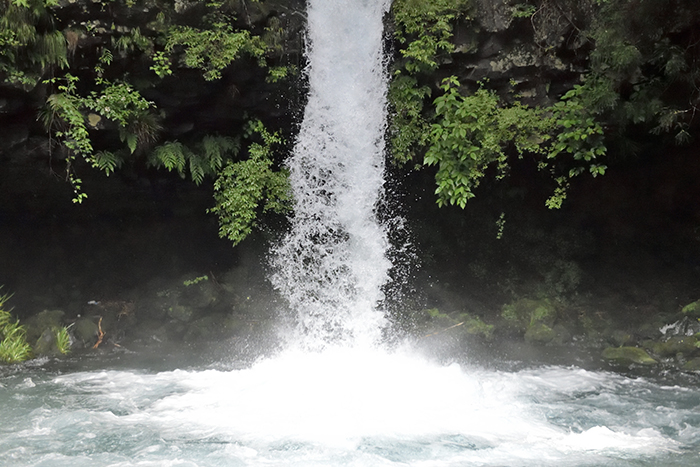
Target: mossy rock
x,y
562,334
596,325
85,331
621,338
436,318
539,333
46,344
628,355
675,345
525,312
47,319
692,365
199,294
475,326
181,313
692,309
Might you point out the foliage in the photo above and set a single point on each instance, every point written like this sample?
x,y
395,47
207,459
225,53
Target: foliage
x,y
63,340
646,53
212,50
643,71
196,280
13,344
245,187
425,27
409,128
95,110
472,133
67,115
29,41
206,158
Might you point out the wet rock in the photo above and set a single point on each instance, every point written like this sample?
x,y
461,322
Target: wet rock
x,y
539,333
525,312
628,355
685,326
596,325
692,309
621,338
46,344
562,335
45,320
181,313
200,294
207,328
675,345
85,331
692,365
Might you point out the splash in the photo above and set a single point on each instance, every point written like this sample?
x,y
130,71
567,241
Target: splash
x,y
332,264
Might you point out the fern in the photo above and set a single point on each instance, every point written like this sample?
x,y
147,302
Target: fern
x,y
203,158
172,156
197,169
51,49
106,161
244,188
217,147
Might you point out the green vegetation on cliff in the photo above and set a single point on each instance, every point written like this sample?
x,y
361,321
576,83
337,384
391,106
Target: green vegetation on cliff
x,y
107,69
476,86
633,69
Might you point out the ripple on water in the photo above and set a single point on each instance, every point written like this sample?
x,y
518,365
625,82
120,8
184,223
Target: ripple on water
x,y
348,407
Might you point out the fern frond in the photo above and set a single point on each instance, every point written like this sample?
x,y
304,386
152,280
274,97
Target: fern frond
x,y
106,161
171,155
216,148
51,49
196,169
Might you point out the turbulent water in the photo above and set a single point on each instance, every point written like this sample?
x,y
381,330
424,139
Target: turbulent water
x,y
332,265
346,408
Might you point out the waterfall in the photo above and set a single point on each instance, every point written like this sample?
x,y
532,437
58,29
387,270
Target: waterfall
x,y
332,264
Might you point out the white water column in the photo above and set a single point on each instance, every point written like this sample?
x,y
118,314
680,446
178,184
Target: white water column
x,y
332,264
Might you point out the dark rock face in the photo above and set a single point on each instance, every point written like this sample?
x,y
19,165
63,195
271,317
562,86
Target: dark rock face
x,y
623,251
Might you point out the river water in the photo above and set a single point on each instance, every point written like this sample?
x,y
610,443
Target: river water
x,y
343,407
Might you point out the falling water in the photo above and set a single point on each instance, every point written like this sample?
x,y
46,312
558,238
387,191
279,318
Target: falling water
x,y
332,265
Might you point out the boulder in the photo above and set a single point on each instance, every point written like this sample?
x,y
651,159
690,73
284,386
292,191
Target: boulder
x,y
675,345
628,355
692,365
46,344
692,309
525,312
85,331
181,313
42,321
539,333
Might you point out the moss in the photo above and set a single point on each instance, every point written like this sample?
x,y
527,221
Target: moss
x,y
539,333
692,365
475,326
435,313
526,312
675,345
692,309
628,355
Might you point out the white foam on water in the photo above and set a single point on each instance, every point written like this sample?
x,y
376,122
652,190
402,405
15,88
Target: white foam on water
x,y
347,407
